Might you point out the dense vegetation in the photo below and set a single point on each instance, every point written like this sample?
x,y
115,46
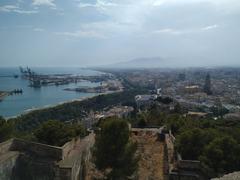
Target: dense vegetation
x,y
51,132
216,143
6,129
57,133
73,110
25,125
113,152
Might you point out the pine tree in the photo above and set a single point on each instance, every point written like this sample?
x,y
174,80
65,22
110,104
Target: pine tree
x,y
114,150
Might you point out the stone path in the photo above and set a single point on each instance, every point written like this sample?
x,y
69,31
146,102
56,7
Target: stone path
x,y
151,151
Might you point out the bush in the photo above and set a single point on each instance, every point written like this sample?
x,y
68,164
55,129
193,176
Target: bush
x,y
113,150
6,129
57,133
221,156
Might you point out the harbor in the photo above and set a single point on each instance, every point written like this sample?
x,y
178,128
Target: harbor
x,y
106,86
38,80
13,103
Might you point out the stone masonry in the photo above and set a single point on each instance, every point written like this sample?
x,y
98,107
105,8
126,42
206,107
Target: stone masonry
x,y
24,160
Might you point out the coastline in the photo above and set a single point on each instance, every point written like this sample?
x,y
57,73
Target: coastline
x,y
51,106
25,112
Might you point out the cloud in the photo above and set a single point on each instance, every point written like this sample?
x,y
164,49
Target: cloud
x,y
38,29
8,8
49,3
135,11
99,4
81,34
184,31
123,13
99,30
210,27
167,31
110,27
144,16
16,9
84,5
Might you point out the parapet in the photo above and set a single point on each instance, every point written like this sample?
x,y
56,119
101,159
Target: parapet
x,y
24,159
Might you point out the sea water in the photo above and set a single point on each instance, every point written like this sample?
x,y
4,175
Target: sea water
x,y
45,96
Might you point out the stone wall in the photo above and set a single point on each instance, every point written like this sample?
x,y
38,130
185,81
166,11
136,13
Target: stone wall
x,y
7,165
5,146
73,166
169,151
178,168
29,167
189,164
7,160
37,149
24,160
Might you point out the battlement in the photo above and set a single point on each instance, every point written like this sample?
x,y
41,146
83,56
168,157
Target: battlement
x,y
21,158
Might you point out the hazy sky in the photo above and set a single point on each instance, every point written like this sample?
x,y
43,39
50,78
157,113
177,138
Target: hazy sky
x,y
93,32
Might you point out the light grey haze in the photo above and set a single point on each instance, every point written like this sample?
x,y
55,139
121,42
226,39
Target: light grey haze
x,y
97,32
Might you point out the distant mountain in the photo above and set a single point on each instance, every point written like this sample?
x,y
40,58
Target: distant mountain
x,y
163,62
153,62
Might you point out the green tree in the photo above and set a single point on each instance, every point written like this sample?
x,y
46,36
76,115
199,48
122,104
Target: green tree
x,y
6,129
141,122
57,133
221,156
178,108
174,123
190,143
113,149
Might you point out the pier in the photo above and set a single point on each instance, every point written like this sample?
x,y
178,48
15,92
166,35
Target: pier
x,y
6,76
4,94
39,80
16,91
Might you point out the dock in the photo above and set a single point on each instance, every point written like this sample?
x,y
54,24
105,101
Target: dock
x,y
4,94
7,76
38,80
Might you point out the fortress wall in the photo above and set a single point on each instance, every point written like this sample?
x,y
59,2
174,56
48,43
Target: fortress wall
x,y
5,146
82,160
72,172
63,174
20,159
7,165
189,164
73,166
41,150
32,168
77,167
7,160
